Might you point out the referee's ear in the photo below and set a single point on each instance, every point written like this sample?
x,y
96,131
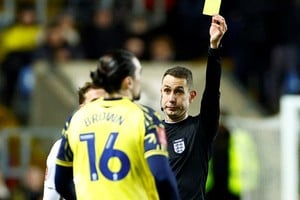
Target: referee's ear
x,y
193,95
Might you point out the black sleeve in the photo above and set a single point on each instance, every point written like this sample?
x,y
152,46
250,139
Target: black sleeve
x,y
164,178
210,103
64,184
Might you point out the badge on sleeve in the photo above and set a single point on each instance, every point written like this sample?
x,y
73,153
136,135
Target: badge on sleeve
x,y
179,145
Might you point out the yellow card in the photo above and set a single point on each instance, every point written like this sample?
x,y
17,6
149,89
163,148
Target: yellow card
x,y
211,7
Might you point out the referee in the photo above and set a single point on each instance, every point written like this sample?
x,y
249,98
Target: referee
x,y
190,138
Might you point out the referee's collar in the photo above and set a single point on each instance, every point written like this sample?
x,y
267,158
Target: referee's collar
x,y
167,122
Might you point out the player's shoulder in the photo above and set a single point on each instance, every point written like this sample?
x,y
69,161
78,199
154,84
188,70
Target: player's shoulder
x,y
149,111
83,109
145,108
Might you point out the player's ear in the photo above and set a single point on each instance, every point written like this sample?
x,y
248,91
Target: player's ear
x,y
127,82
193,95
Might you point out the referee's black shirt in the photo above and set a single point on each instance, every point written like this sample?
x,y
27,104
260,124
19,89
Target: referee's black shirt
x,y
190,141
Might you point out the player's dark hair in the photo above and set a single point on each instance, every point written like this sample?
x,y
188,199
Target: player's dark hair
x,y
112,68
181,72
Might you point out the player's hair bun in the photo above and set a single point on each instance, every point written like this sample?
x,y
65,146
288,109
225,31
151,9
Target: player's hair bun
x,y
107,65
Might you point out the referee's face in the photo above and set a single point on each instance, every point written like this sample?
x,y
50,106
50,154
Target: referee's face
x,y
175,98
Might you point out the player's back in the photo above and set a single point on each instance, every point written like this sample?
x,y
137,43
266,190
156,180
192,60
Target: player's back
x,y
107,141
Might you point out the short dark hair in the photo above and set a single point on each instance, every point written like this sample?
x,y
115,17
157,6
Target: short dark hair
x,y
112,68
83,90
181,72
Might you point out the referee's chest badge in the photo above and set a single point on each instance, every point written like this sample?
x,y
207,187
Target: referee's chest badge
x,y
179,145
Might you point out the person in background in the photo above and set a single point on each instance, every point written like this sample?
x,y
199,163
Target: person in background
x,y
5,194
101,34
162,49
190,138
55,47
87,93
17,44
31,185
234,169
114,147
217,185
136,45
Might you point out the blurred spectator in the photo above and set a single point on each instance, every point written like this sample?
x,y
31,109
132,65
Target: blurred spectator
x,y
82,9
158,10
161,49
102,34
219,168
123,10
69,28
154,10
17,43
31,187
137,29
234,167
136,45
152,4
55,47
4,190
138,25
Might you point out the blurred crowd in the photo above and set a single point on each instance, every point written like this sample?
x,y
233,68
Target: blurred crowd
x,y
262,41
29,187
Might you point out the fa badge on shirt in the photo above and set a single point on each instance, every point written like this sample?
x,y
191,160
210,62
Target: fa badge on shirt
x,y
179,145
